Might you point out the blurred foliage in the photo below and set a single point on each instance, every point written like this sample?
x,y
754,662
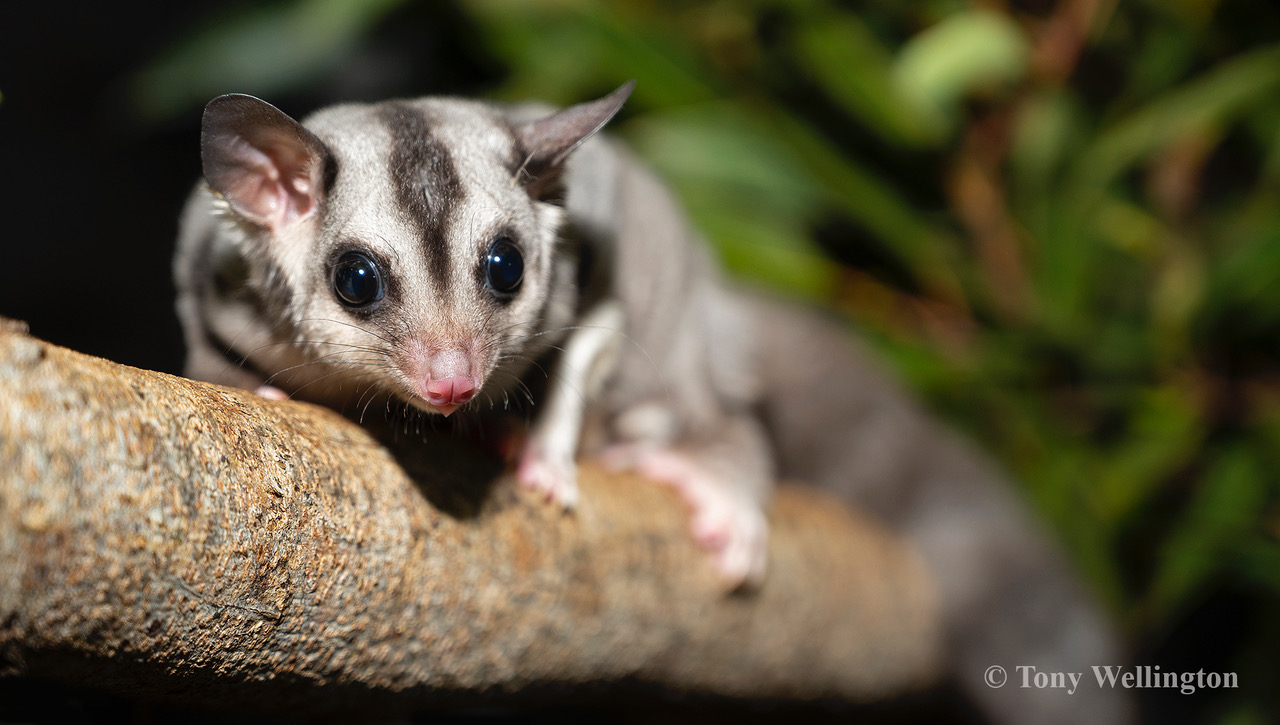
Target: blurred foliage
x,y
1058,220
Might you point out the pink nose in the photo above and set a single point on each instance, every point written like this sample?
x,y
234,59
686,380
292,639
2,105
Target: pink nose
x,y
452,391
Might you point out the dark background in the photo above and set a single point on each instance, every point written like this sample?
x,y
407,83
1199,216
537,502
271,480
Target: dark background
x,y
1058,221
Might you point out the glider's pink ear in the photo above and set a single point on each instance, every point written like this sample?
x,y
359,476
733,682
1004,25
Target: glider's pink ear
x,y
265,164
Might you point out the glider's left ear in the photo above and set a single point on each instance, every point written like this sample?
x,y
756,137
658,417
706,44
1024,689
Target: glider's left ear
x,y
548,142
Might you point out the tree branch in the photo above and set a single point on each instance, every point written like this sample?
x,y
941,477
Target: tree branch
x,y
168,538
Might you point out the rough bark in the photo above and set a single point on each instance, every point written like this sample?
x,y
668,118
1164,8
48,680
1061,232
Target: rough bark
x,y
163,537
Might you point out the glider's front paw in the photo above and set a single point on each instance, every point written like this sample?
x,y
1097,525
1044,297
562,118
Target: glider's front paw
x,y
271,392
551,473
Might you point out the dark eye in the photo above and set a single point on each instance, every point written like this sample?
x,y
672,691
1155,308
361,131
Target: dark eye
x,y
357,280
505,266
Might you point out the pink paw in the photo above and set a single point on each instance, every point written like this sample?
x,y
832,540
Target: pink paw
x,y
728,523
553,476
270,392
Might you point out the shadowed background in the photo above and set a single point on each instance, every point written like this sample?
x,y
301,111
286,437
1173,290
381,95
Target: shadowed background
x,y
1058,221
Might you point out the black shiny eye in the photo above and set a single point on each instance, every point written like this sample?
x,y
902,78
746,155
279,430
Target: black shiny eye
x,y
357,280
505,266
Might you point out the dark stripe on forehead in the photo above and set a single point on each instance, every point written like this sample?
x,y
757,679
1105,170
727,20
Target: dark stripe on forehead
x,y
426,184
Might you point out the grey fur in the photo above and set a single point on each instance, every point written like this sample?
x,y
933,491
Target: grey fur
x,y
1008,594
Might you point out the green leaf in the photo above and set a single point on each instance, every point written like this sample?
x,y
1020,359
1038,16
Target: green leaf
x,y
1221,515
1260,562
561,51
722,162
1048,126
778,255
264,51
966,52
928,248
1213,99
1244,284
1068,258
1164,436
842,54
723,154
